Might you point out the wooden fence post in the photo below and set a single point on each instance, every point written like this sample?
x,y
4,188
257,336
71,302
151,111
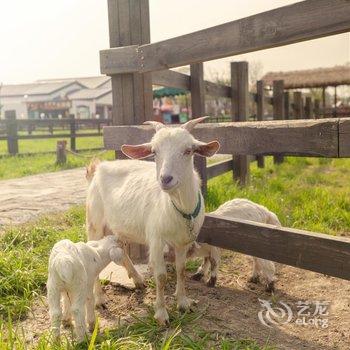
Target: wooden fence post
x,y
11,131
278,109
72,132
198,110
324,101
131,93
298,105
239,111
286,105
309,108
61,153
317,108
260,108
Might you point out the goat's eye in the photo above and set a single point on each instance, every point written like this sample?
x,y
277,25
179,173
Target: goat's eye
x,y
188,152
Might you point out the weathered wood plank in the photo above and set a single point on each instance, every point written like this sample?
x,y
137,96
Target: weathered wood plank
x,y
311,251
219,168
172,79
198,109
278,108
298,105
260,110
286,105
239,112
132,93
309,108
121,57
344,137
183,81
292,137
298,22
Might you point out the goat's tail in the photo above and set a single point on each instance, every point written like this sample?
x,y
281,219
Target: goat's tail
x,y
64,269
273,219
91,169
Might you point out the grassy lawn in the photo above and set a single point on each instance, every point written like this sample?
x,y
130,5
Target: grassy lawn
x,y
47,145
18,166
307,193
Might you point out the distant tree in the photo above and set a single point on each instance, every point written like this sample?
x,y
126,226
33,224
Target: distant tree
x,y
255,73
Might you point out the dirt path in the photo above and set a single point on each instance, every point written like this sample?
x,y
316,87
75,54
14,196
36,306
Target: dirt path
x,y
24,199
232,308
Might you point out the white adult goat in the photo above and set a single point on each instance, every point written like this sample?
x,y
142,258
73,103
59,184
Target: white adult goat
x,y
153,203
73,269
237,209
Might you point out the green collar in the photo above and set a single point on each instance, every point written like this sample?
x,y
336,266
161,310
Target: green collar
x,y
196,211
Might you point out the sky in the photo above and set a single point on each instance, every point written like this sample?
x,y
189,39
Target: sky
x,y
42,39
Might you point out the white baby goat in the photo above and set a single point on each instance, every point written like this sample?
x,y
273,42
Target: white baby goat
x,y
237,209
153,203
73,268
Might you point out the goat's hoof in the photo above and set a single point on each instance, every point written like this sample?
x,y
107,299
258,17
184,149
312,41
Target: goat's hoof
x,y
102,306
140,284
197,276
101,301
254,279
91,326
162,317
270,287
212,281
186,304
67,323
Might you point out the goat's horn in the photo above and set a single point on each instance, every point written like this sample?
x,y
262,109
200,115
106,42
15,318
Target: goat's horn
x,y
156,125
193,122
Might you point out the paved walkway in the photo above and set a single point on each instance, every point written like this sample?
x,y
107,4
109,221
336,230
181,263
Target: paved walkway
x,y
24,199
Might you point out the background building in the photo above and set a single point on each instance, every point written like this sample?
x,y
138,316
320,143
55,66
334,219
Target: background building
x,y
87,97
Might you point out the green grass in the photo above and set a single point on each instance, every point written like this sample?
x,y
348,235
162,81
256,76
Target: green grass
x,y
18,166
23,272
47,145
142,333
24,252
307,193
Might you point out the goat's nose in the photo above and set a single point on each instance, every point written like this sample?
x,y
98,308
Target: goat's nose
x,y
166,179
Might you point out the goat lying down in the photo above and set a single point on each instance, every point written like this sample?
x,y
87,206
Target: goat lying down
x,y
152,203
73,269
245,209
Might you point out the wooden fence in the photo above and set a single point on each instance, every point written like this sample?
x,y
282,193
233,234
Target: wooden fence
x,y
14,130
134,64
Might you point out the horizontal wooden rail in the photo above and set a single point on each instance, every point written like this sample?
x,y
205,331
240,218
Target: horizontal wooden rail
x,y
183,81
171,78
30,154
57,122
219,168
298,22
311,251
56,136
321,138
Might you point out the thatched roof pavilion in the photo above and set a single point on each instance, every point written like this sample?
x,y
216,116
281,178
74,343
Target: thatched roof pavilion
x,y
311,78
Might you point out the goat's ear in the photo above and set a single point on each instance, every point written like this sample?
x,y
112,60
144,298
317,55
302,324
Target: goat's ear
x,y
137,151
207,149
116,254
